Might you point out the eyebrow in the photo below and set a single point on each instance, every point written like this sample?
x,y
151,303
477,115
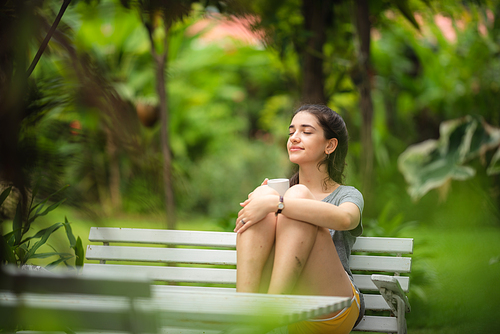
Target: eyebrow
x,y
302,126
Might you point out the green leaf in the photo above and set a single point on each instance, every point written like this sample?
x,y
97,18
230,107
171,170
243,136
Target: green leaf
x,y
46,234
4,195
42,203
79,253
17,224
433,163
34,192
404,8
50,208
8,251
21,251
38,235
58,261
494,167
9,238
69,233
46,255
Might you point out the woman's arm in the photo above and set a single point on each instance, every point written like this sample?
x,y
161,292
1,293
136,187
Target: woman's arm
x,y
261,202
344,217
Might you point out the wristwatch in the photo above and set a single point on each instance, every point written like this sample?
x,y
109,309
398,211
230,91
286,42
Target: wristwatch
x,y
281,206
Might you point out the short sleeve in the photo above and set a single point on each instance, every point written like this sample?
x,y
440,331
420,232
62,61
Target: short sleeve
x,y
353,195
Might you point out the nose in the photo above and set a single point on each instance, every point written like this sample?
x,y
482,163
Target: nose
x,y
294,138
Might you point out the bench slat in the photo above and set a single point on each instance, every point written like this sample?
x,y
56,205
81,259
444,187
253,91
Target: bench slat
x,y
377,324
383,245
225,257
364,282
227,239
380,263
164,255
163,237
169,274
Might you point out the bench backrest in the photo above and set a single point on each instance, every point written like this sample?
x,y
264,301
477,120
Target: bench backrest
x,y
147,251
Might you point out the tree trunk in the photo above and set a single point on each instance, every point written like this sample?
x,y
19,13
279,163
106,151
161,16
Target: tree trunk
x,y
114,171
364,86
165,146
316,14
161,65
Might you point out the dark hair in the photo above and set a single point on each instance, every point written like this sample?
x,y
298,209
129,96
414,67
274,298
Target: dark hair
x,y
333,127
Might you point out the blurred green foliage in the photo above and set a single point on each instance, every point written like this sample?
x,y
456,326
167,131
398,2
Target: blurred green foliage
x,y
231,101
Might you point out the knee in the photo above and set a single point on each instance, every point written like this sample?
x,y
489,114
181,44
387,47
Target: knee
x,y
263,190
299,191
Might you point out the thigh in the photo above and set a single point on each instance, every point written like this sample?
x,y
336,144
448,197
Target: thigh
x,y
323,273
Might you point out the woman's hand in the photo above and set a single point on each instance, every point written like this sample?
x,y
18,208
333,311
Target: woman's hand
x,y
258,205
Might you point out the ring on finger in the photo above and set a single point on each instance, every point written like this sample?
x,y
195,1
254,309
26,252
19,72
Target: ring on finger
x,y
243,222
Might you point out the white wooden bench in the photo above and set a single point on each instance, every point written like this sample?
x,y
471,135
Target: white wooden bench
x,y
208,260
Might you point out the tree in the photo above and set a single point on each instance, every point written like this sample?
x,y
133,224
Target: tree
x,y
314,25
160,15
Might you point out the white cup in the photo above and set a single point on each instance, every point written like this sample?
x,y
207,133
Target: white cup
x,y
280,185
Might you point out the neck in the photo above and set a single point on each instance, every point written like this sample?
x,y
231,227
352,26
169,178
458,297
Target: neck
x,y
314,179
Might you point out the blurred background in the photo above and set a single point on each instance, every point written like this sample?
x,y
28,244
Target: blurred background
x,y
166,114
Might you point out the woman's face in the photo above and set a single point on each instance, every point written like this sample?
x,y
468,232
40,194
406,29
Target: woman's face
x,y
306,142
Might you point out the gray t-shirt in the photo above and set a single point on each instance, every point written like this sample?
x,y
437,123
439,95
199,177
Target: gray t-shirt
x,y
344,240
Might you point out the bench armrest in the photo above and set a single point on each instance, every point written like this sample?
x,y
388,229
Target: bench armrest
x,y
389,287
395,297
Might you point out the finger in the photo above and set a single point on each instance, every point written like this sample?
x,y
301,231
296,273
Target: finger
x,y
237,225
245,202
240,225
243,227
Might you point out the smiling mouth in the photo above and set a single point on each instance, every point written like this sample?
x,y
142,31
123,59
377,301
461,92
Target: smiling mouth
x,y
294,149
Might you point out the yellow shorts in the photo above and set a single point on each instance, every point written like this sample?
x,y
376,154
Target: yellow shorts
x,y
339,324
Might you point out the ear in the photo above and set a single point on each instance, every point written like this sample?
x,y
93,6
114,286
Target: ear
x,y
331,146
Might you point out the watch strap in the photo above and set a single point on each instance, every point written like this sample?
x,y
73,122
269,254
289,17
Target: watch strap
x,y
281,206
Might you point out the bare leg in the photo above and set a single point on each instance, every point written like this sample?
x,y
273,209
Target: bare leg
x,y
266,273
306,261
254,247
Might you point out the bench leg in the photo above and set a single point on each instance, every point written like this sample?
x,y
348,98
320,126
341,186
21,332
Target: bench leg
x,y
401,316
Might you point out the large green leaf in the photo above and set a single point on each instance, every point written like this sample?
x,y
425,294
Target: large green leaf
x,y
432,163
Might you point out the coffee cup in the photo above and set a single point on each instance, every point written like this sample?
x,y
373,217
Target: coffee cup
x,y
280,185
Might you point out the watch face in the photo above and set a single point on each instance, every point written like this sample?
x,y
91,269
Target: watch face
x,y
281,206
